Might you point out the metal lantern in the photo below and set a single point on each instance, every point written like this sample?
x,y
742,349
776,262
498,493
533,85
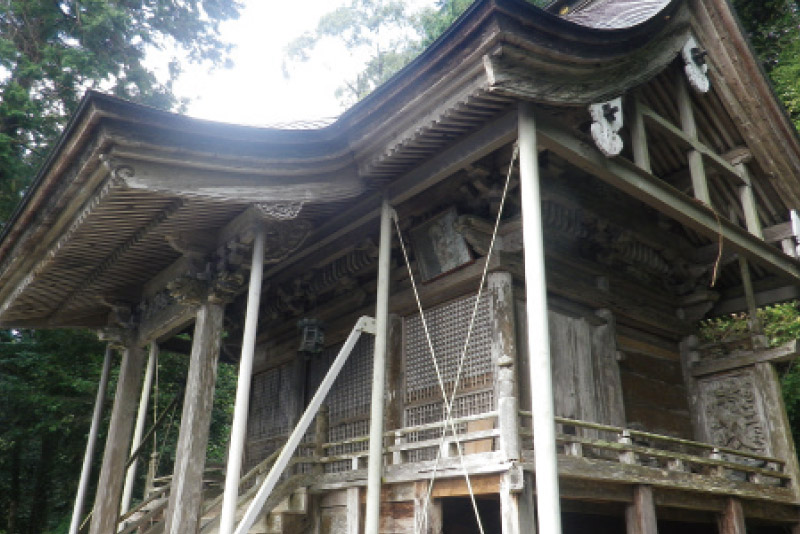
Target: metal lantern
x,y
312,335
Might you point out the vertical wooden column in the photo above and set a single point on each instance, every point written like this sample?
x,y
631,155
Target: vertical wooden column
x,y
395,394
353,510
517,513
640,516
242,404
731,520
504,355
427,519
780,435
186,494
141,417
94,430
541,380
641,153
375,458
689,127
120,428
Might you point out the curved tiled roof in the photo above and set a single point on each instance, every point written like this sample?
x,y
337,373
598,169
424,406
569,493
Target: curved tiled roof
x,y
614,14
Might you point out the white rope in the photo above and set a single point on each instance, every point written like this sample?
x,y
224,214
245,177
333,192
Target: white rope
x,y
419,526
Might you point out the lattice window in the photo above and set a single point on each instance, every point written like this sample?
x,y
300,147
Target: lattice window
x,y
447,324
349,399
268,420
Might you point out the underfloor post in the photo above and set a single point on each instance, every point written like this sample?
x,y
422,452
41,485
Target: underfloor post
x,y
640,516
541,382
186,492
731,520
375,465
120,428
141,417
242,404
94,429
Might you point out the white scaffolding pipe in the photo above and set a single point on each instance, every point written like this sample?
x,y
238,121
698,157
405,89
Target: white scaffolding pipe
x,y
241,407
94,429
364,324
141,418
375,463
544,432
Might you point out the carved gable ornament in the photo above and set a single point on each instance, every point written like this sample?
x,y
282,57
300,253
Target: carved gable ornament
x,y
606,124
696,68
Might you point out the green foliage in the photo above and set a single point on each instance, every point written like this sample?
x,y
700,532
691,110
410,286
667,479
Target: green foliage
x,y
774,30
52,51
382,30
781,324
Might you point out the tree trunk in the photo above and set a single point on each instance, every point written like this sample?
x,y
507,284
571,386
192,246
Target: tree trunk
x,y
13,500
41,492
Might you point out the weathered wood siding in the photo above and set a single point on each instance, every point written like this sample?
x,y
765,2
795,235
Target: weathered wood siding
x,y
652,384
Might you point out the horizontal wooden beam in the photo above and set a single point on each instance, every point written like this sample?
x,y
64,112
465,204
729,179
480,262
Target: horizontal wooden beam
x,y
246,187
656,193
764,297
744,358
676,133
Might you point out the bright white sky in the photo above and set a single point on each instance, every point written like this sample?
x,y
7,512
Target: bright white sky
x,y
255,90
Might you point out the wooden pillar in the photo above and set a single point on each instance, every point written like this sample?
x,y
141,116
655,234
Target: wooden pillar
x,y
731,520
689,127
780,435
395,391
517,514
641,153
504,354
427,514
186,495
640,516
353,510
120,428
548,504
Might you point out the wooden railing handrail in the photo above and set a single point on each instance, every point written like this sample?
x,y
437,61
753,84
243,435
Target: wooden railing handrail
x,y
660,437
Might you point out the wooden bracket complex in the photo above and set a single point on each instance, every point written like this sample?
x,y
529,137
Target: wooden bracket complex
x,y
607,122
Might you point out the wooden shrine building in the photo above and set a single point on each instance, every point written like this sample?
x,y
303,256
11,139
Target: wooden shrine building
x,y
504,249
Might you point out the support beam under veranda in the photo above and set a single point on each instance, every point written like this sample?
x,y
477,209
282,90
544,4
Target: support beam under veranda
x,y
94,430
375,462
544,433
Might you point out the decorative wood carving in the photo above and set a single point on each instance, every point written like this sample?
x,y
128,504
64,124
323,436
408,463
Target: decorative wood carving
x,y
280,211
696,68
607,122
733,414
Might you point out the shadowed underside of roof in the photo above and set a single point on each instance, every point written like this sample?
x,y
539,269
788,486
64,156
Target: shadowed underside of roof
x,y
614,14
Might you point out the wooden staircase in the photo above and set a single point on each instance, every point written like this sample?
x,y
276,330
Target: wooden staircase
x,y
284,512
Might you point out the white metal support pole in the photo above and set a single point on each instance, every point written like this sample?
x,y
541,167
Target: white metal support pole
x,y
141,418
544,431
375,464
94,429
241,407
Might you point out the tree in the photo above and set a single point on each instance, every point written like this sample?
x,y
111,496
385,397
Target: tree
x,y
51,51
773,27
382,31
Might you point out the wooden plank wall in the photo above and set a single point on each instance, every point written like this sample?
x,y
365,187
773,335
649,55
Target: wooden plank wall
x,y
652,384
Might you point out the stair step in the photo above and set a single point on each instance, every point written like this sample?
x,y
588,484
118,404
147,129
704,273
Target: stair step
x,y
296,503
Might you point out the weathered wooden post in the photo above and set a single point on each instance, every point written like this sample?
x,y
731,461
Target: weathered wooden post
x,y
375,463
141,417
94,429
241,407
186,492
544,430
120,428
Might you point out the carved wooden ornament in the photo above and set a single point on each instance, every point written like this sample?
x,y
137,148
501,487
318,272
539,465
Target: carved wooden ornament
x,y
607,122
696,68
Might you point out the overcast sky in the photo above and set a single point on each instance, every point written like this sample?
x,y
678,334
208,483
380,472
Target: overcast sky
x,y
255,91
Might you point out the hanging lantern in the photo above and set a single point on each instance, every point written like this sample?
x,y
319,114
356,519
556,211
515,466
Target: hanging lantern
x,y
312,335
